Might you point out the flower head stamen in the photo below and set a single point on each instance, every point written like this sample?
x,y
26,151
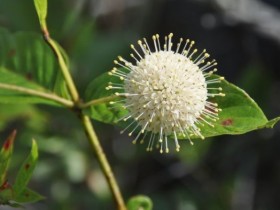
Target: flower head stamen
x,y
166,91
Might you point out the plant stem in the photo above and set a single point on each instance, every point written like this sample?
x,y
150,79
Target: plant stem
x,y
98,101
49,96
93,140
65,71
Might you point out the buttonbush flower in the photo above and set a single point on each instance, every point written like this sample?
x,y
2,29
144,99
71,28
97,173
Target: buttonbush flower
x,y
166,91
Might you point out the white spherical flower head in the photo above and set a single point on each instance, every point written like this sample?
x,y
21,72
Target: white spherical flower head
x,y
166,91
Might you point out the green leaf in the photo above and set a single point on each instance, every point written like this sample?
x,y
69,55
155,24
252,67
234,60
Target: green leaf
x,y
28,57
240,113
26,170
28,196
41,9
103,112
10,195
140,202
5,156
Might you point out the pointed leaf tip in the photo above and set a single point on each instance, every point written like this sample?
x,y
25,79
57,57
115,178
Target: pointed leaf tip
x,y
272,123
41,9
5,156
28,196
26,170
34,149
9,142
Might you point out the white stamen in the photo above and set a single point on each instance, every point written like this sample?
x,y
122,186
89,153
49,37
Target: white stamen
x,y
166,91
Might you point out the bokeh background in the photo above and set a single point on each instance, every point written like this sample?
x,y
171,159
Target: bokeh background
x,y
222,173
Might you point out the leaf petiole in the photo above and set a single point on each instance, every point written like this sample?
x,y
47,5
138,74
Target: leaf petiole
x,y
98,101
49,96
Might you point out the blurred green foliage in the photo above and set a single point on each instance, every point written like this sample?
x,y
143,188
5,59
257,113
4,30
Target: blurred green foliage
x,y
17,193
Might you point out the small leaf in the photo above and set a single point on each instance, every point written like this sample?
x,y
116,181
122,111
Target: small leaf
x,y
26,170
41,9
28,196
140,202
5,156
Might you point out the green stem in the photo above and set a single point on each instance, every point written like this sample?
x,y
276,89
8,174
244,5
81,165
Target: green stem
x,y
65,71
98,101
40,94
93,140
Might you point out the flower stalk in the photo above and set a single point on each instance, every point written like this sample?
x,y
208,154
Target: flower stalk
x,y
93,140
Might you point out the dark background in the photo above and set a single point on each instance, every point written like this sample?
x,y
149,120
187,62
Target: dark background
x,y
228,172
